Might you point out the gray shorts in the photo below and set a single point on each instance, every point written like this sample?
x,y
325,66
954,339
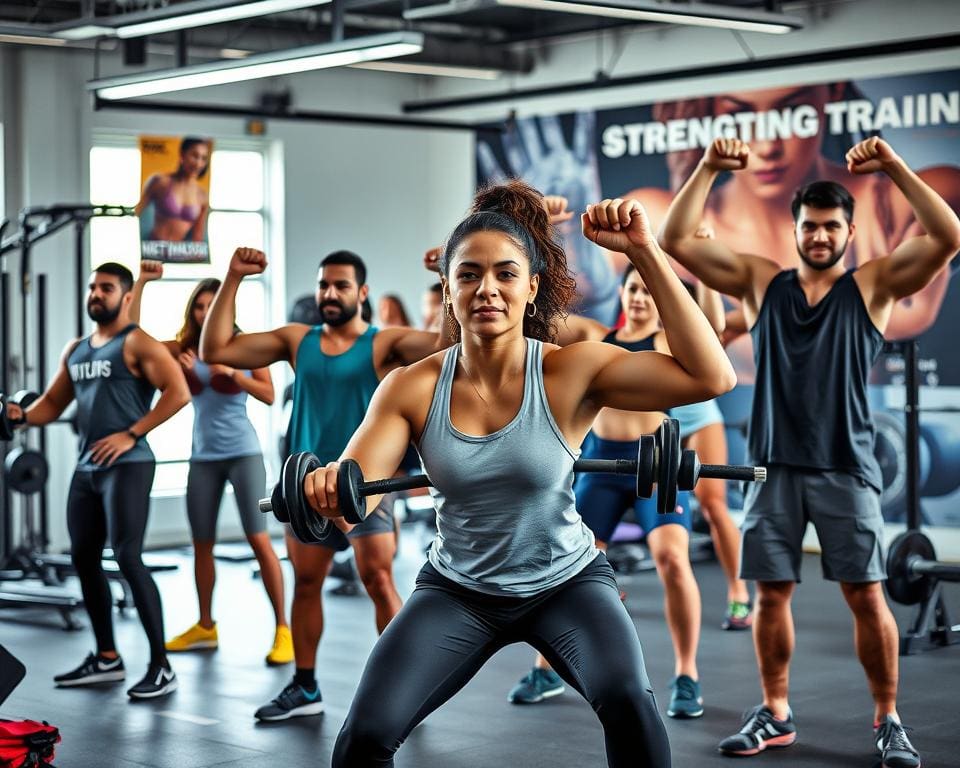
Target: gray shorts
x,y
380,520
842,507
205,483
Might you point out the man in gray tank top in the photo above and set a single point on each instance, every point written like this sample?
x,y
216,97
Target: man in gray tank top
x,y
816,331
113,374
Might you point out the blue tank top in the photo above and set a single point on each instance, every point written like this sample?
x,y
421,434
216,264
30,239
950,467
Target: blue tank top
x,y
330,394
109,397
810,406
221,427
506,519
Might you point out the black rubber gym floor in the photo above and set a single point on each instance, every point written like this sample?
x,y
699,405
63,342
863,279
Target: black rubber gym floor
x,y
209,720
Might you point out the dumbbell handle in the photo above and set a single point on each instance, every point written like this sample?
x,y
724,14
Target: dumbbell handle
x,y
734,472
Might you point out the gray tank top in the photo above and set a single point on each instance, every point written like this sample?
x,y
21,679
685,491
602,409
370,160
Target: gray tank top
x,y
506,519
109,397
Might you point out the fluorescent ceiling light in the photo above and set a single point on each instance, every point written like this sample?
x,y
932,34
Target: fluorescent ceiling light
x,y
186,19
85,32
696,14
437,70
195,13
30,40
311,57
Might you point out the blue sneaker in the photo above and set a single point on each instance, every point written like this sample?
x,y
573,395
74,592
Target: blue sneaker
x,y
534,687
293,701
685,698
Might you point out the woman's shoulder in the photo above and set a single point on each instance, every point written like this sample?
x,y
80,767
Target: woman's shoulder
x,y
416,375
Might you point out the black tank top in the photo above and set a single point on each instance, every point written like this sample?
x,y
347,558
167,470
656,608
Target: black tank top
x,y
810,405
109,397
641,345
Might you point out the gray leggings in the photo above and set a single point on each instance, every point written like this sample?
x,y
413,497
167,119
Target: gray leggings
x,y
205,483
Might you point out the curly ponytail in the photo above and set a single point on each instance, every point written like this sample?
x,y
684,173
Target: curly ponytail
x,y
516,209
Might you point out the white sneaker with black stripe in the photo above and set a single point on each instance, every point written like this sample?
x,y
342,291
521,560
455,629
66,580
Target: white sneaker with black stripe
x,y
159,681
94,669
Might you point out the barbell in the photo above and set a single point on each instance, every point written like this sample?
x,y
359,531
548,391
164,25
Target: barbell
x,y
659,464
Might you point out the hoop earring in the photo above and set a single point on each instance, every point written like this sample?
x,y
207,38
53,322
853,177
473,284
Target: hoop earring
x,y
534,306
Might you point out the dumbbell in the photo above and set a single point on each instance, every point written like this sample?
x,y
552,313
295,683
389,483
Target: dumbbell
x,y
659,464
24,398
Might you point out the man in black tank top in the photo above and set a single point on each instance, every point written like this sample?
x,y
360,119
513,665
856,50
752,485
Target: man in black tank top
x,y
816,332
113,374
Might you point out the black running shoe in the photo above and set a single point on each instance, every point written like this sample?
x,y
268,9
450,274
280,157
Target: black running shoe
x,y
95,669
760,730
894,746
293,701
159,681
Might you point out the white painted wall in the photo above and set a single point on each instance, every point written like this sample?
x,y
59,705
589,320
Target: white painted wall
x,y
368,189
385,193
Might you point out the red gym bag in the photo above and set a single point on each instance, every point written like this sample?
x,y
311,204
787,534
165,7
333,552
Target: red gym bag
x,y
27,743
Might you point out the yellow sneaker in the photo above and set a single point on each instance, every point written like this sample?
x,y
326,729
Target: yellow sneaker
x,y
282,651
194,639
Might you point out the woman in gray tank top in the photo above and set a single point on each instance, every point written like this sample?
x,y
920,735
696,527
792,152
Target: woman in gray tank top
x,y
498,419
225,449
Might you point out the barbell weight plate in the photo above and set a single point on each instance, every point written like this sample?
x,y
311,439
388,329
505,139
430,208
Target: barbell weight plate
x,y
25,470
353,506
902,586
646,460
667,437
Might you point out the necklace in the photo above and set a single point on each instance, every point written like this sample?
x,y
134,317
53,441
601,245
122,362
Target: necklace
x,y
486,405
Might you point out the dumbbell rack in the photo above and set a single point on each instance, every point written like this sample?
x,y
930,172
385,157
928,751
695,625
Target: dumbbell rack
x,y
932,627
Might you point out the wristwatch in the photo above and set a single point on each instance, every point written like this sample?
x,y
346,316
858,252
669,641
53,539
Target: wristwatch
x,y
133,434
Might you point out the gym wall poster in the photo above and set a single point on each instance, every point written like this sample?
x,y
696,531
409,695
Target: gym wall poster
x,y
174,198
798,132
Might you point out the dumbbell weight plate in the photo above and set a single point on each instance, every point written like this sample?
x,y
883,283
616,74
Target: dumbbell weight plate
x,y
902,587
307,525
689,471
667,438
353,506
6,425
25,470
25,398
646,459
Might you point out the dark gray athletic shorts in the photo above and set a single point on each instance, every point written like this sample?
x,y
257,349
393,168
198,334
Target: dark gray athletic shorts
x,y
380,520
842,507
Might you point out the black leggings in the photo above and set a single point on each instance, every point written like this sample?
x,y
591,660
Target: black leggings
x,y
445,633
114,501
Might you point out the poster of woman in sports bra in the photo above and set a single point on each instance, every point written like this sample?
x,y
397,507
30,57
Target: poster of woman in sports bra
x,y
174,201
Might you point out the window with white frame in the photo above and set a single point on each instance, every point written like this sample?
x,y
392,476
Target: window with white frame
x,y
238,216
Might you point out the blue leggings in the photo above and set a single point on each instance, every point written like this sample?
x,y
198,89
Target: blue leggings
x,y
445,633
